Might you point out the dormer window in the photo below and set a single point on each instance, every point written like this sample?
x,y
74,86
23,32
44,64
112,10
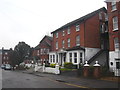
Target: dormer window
x,y
113,4
77,27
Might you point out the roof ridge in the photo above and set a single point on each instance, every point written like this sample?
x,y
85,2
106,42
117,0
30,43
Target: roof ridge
x,y
81,18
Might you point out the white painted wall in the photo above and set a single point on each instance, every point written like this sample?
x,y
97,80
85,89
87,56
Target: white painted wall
x,y
90,52
112,56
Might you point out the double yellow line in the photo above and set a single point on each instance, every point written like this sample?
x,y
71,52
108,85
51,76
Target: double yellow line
x,y
78,86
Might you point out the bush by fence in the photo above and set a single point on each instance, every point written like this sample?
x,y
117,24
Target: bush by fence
x,y
68,65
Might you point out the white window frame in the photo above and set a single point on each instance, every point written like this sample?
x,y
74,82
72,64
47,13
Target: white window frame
x,y
56,45
77,27
68,42
68,31
70,57
75,57
56,35
63,43
53,58
41,51
115,23
116,44
4,57
63,33
81,57
6,53
38,52
77,40
113,6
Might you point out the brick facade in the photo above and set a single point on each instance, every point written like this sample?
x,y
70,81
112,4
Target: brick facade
x,y
42,49
83,41
113,9
6,56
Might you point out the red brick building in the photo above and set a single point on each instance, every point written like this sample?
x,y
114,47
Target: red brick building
x,y
6,56
113,9
42,49
79,40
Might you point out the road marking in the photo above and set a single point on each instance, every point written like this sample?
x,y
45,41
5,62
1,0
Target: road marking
x,y
75,85
68,83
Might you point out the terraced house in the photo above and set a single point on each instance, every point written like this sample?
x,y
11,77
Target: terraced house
x,y
81,40
41,51
6,56
113,9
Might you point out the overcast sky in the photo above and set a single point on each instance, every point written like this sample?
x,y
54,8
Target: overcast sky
x,y
31,20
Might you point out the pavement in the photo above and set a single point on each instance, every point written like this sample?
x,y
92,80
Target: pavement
x,y
79,82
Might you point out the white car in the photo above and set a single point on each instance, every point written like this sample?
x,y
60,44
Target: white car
x,y
7,67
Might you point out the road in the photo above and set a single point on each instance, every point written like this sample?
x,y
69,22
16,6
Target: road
x,y
13,79
18,79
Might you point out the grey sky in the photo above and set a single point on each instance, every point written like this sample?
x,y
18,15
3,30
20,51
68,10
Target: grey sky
x,y
30,20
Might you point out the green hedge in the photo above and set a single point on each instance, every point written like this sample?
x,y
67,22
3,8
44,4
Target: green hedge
x,y
52,65
68,65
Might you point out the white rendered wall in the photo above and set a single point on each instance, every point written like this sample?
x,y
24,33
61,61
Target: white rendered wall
x,y
112,56
90,52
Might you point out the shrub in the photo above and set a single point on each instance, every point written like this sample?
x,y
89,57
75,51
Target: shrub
x,y
52,65
65,69
21,67
68,65
105,71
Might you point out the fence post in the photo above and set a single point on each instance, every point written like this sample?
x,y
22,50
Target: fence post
x,y
57,71
97,70
86,69
36,67
43,67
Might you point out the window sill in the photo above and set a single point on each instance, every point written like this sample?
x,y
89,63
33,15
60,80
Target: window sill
x,y
77,30
113,10
115,29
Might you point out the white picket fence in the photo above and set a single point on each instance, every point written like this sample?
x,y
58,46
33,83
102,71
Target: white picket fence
x,y
47,69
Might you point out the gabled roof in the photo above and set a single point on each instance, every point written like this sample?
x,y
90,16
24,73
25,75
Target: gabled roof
x,y
50,38
79,20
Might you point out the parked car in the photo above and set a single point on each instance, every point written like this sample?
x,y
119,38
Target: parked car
x,y
8,67
3,66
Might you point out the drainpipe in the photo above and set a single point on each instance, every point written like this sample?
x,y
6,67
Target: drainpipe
x,y
84,40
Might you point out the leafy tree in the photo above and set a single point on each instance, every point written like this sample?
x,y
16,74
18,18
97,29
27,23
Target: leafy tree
x,y
22,52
